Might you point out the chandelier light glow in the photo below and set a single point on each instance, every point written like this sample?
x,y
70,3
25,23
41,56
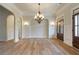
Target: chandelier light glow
x,y
39,16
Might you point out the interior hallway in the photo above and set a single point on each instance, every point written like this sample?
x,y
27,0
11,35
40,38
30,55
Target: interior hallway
x,y
19,21
37,47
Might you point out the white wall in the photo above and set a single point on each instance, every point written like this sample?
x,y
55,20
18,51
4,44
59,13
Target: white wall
x,y
20,28
26,29
52,31
35,30
17,27
39,30
52,27
66,12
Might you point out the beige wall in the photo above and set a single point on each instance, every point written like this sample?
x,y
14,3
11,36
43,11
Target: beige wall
x,y
66,12
10,27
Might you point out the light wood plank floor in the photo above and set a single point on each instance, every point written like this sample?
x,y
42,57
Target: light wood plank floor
x,y
36,47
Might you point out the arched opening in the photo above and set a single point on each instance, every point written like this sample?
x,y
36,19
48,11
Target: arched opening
x,y
32,29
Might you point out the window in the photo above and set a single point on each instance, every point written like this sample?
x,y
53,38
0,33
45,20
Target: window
x,y
76,17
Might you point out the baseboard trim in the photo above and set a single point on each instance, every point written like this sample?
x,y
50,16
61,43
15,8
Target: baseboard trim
x,y
35,38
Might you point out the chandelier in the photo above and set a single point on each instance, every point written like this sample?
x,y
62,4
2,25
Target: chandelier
x,y
39,16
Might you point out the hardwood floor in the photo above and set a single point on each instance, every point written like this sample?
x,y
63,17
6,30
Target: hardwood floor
x,y
36,47
65,47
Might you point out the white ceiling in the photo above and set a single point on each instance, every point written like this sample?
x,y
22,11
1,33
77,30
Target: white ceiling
x,y
30,9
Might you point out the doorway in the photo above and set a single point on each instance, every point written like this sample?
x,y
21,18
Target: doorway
x,y
76,30
60,29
